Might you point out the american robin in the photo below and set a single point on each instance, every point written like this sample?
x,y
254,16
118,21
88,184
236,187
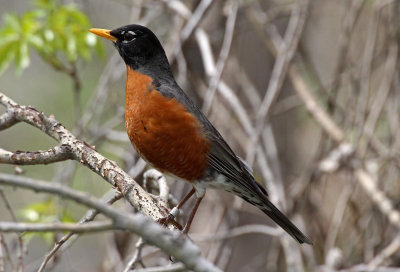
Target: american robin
x,y
173,135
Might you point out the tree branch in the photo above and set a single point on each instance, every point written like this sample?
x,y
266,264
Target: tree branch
x,y
55,154
90,215
338,135
171,242
285,54
56,226
81,152
7,120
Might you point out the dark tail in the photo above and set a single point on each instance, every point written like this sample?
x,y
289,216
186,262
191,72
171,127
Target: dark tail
x,y
269,209
243,184
259,198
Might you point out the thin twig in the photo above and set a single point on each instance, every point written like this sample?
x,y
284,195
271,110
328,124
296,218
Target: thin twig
x,y
56,227
20,254
136,256
87,218
223,55
153,174
176,267
238,231
386,253
2,262
285,54
190,26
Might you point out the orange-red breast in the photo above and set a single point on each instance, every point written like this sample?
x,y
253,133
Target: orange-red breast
x,y
173,135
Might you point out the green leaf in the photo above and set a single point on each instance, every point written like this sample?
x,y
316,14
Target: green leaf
x,y
11,22
40,211
36,41
56,31
29,22
8,38
67,217
7,53
46,4
45,212
71,48
22,56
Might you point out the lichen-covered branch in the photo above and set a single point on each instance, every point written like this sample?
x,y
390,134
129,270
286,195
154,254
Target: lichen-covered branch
x,y
72,148
172,242
55,154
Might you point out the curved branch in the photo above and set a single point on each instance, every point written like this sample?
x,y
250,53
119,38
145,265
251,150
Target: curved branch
x,y
86,155
7,120
157,176
171,242
56,226
55,154
239,231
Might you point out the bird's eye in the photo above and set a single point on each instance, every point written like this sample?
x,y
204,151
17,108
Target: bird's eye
x,y
129,36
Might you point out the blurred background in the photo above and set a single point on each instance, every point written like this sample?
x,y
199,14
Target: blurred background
x,y
307,91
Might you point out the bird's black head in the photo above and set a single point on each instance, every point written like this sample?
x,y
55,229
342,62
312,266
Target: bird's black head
x,y
136,44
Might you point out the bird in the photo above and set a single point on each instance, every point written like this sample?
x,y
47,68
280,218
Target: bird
x,y
172,134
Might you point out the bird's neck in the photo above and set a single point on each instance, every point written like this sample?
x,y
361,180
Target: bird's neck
x,y
146,77
137,84
157,67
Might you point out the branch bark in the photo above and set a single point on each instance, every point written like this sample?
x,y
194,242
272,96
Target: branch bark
x,y
171,242
72,148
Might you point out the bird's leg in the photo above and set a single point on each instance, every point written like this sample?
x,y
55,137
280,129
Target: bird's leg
x,y
170,218
194,210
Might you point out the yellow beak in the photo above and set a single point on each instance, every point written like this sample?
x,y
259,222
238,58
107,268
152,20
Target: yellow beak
x,y
105,33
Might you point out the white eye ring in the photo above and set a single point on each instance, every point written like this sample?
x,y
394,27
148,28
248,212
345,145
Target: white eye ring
x,y
129,36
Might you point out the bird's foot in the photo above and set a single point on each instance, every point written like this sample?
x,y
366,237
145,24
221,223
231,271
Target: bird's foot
x,y
170,218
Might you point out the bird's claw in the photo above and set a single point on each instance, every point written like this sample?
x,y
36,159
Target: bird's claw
x,y
169,219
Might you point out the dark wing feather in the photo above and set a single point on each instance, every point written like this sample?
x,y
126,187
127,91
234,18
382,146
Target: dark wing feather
x,y
225,162
239,174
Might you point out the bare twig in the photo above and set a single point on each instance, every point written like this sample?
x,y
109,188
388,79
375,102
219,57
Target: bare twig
x,y
190,26
6,254
385,254
223,55
87,218
136,256
285,54
20,264
2,262
209,66
378,197
177,267
366,69
239,231
56,227
383,92
153,174
337,134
